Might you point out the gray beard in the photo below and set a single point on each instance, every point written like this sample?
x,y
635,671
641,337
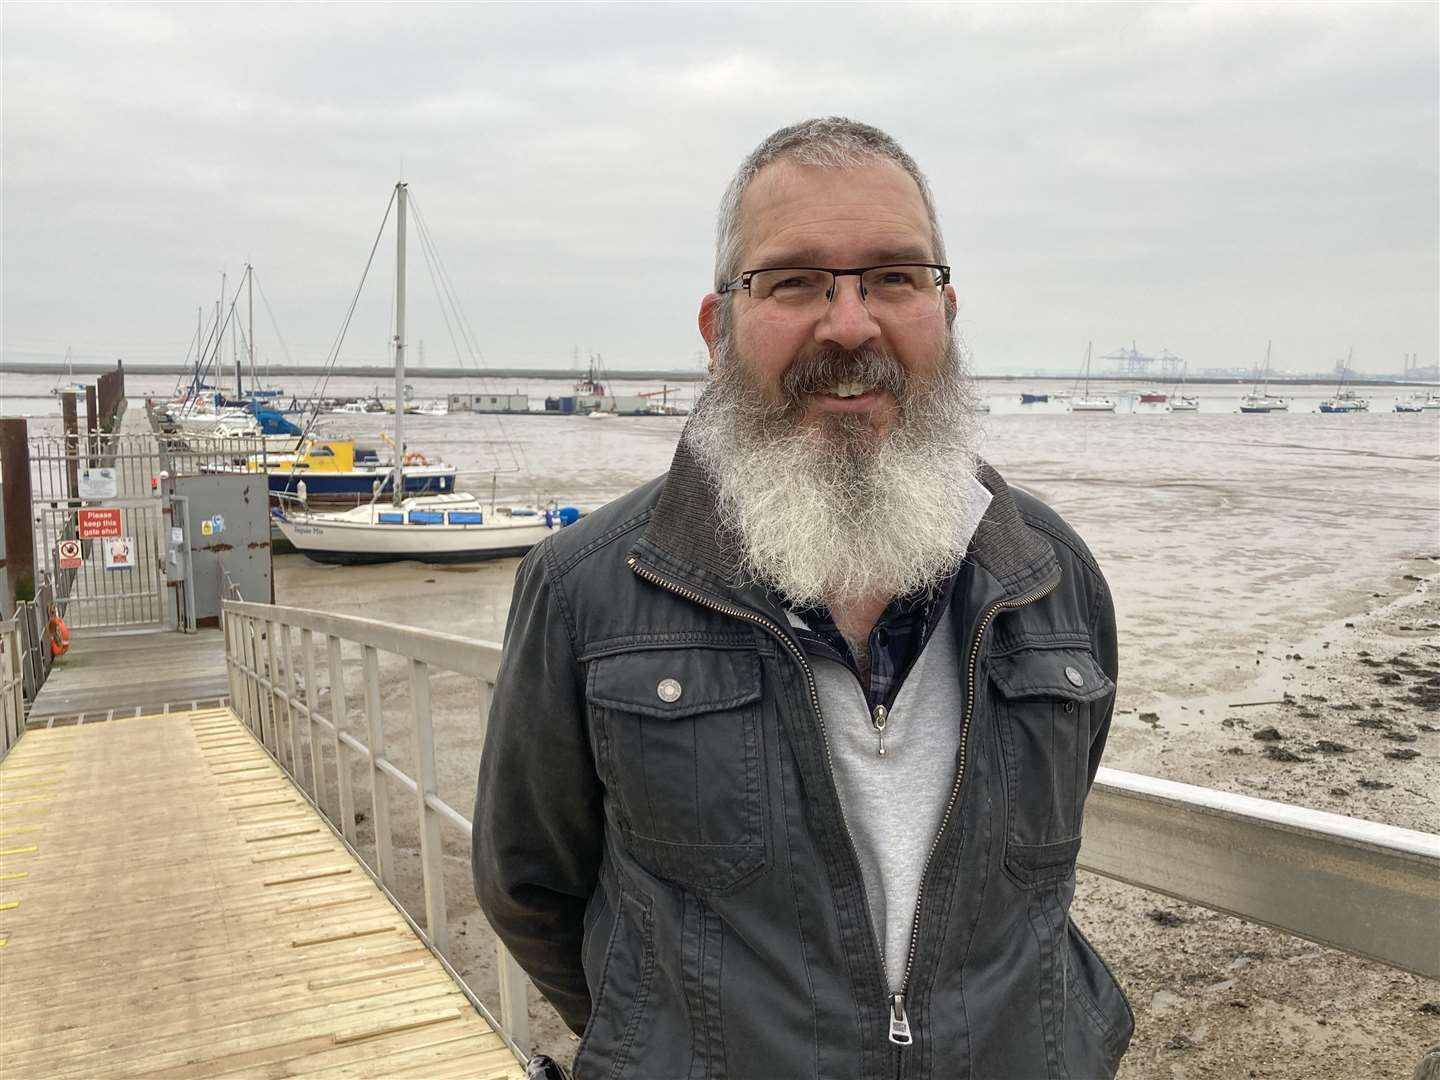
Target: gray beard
x,y
831,513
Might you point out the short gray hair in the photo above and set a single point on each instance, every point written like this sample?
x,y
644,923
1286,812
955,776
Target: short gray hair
x,y
828,142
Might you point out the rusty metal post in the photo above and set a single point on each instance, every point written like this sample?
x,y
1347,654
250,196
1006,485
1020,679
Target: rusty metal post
x,y
92,423
18,512
72,442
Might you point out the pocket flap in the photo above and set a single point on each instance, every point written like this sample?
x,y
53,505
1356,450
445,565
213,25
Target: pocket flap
x,y
1072,674
674,683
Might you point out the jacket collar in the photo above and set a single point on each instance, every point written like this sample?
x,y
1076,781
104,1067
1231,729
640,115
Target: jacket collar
x,y
685,538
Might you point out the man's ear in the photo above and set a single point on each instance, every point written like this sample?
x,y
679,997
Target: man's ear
x,y
952,305
710,323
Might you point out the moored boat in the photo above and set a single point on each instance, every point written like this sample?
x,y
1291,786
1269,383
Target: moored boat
x,y
1259,399
428,528
1082,401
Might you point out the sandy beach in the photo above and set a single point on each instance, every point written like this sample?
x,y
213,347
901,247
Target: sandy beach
x,y
1291,559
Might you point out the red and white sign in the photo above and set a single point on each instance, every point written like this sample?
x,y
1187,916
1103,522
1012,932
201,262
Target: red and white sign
x,y
69,552
100,524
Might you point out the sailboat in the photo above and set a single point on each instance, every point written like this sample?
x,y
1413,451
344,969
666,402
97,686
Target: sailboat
x,y
1259,400
1181,401
71,387
1083,402
431,528
1345,401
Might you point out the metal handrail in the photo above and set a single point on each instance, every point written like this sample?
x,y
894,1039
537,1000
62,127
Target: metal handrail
x,y
12,686
1367,888
278,699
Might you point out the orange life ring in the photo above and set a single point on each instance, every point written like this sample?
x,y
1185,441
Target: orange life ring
x,y
414,458
59,635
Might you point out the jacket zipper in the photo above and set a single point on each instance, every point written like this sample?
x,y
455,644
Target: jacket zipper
x,y
900,1033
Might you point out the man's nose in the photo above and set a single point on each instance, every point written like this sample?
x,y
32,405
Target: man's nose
x,y
847,322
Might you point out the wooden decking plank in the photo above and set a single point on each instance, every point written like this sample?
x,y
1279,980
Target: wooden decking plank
x,y
185,912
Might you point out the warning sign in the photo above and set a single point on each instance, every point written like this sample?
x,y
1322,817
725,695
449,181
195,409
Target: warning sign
x,y
69,552
99,524
119,553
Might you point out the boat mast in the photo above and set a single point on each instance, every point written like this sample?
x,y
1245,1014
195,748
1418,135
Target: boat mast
x,y
400,196
250,306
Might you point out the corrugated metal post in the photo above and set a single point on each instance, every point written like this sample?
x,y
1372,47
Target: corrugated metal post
x,y
17,513
92,423
72,442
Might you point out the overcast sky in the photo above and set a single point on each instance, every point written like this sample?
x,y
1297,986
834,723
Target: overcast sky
x,y
1198,178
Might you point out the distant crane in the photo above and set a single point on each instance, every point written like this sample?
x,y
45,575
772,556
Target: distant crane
x,y
1132,362
663,394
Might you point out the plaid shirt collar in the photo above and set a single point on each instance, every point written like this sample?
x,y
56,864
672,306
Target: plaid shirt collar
x,y
896,641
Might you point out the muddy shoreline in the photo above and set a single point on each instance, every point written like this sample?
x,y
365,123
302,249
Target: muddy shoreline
x,y
1353,727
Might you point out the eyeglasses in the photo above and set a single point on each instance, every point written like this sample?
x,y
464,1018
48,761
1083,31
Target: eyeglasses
x,y
891,291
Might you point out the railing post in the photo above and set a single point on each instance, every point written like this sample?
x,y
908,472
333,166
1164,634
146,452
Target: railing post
x,y
317,767
227,627
379,796
514,1011
432,850
337,717
263,719
297,761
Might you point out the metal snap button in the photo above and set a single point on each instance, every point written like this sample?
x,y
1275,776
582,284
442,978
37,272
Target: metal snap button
x,y
668,691
1076,679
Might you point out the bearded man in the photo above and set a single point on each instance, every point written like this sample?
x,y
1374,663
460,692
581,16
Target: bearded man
x,y
789,748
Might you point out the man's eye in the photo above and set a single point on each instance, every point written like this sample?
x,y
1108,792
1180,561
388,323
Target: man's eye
x,y
794,283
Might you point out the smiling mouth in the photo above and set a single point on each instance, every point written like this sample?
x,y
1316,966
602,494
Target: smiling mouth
x,y
846,390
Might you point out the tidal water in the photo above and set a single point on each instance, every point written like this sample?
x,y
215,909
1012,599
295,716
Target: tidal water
x,y
1219,532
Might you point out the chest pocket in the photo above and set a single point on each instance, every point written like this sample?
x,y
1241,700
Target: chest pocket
x,y
680,752
1044,702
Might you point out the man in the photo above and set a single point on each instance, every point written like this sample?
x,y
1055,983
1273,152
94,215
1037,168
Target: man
x,y
789,747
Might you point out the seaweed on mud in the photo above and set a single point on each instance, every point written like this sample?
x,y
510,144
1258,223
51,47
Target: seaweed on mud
x,y
1279,753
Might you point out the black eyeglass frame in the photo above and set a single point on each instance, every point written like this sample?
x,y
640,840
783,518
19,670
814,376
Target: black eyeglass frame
x,y
742,281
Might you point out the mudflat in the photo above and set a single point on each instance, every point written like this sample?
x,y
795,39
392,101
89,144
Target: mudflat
x,y
1284,559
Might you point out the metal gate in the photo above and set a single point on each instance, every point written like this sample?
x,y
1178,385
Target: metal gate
x,y
99,532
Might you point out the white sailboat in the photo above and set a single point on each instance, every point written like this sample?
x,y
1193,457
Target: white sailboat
x,y
430,528
1259,399
1345,401
1181,401
1083,402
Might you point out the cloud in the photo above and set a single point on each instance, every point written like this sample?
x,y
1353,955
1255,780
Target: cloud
x,y
1198,176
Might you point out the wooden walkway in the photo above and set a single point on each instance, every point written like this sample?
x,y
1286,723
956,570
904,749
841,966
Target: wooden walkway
x,y
124,674
170,906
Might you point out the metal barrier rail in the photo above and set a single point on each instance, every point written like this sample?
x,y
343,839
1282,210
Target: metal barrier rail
x,y
36,657
1365,888
1360,886
279,700
12,686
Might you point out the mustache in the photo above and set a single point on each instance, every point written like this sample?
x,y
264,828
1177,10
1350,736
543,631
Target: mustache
x,y
872,368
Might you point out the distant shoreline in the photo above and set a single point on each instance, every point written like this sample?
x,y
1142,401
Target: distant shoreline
x,y
659,375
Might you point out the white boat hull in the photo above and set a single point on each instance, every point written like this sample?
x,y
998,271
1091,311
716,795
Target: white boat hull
x,y
363,535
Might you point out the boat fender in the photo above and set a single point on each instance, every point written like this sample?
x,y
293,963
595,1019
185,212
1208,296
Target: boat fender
x,y
569,515
59,634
